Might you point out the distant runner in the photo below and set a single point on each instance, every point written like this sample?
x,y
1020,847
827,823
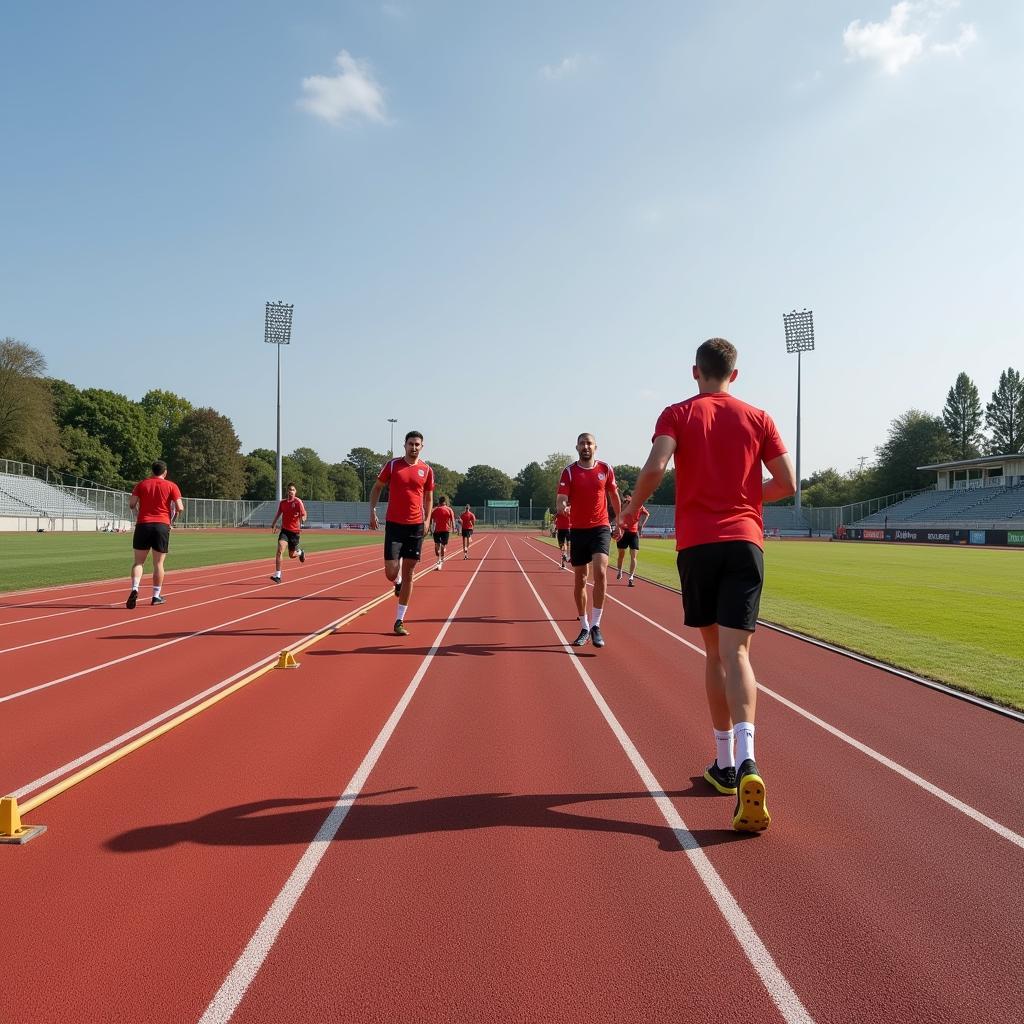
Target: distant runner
x,y
629,539
562,534
466,520
292,514
442,522
155,499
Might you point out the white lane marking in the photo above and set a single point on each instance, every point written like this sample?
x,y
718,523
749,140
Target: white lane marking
x,y
135,619
781,992
906,773
235,985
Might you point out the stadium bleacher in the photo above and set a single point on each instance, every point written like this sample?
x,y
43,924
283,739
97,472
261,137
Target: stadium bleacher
x,y
27,496
974,507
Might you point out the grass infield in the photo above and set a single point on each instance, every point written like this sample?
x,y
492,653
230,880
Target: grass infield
x,y
954,614
30,560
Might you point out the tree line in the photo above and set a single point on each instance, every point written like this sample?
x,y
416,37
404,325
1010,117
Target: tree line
x,y
108,438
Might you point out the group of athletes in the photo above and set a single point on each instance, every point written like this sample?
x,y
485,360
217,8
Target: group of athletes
x,y
718,444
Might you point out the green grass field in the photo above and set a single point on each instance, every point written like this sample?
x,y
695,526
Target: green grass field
x,y
48,559
953,614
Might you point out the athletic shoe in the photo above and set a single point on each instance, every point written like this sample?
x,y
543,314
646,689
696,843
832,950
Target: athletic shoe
x,y
275,579
597,636
618,575
581,640
400,630
751,813
630,583
302,555
722,779
437,567
133,599
159,600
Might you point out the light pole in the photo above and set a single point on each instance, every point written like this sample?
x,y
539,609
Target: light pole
x,y
799,339
278,331
392,422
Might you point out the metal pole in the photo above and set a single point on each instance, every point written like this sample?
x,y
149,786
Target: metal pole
x,y
279,489
798,434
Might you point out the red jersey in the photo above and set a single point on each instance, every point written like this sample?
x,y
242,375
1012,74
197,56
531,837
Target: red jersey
x,y
562,521
406,487
292,512
630,522
155,496
720,445
587,491
467,519
442,520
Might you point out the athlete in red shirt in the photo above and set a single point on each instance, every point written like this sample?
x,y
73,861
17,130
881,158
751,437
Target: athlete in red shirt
x,y
562,523
154,499
585,489
442,522
292,514
466,521
631,527
410,484
720,444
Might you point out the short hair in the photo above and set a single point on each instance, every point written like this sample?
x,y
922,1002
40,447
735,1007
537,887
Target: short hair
x,y
586,433
716,358
291,483
442,499
468,505
158,467
414,433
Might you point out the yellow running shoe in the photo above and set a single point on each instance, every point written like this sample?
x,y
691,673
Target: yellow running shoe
x,y
751,810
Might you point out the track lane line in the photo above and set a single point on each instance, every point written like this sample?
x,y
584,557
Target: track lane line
x,y
781,992
238,980
906,773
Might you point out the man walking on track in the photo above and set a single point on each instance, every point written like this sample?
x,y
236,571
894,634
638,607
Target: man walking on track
x,y
719,444
292,514
466,521
410,484
442,522
632,527
585,489
153,499
562,533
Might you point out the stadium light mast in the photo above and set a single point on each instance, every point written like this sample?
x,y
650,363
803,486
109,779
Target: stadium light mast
x,y
392,422
277,331
799,339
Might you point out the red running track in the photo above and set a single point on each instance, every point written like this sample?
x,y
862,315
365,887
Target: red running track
x,y
491,850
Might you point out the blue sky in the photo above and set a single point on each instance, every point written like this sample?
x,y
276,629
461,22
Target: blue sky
x,y
505,224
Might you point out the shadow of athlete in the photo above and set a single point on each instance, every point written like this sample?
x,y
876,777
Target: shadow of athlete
x,y
295,821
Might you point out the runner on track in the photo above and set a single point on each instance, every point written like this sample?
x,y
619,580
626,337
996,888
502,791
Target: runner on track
x,y
585,489
292,514
466,520
154,499
562,533
719,444
410,484
631,528
442,522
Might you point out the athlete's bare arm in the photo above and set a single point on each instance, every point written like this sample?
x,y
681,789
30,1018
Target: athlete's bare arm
x,y
613,494
662,450
561,503
782,482
428,498
374,495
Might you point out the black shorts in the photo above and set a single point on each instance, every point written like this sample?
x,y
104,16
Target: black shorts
x,y
292,536
402,540
584,544
441,537
155,536
628,539
467,533
563,537
721,584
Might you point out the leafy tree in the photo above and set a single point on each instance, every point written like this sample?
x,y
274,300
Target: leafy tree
x,y
260,479
446,481
267,455
625,476
27,426
665,492
1004,415
825,488
316,475
205,460
367,464
915,439
346,482
166,410
64,397
552,467
962,418
531,485
481,483
88,457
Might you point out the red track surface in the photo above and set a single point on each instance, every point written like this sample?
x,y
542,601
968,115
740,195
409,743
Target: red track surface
x,y
504,861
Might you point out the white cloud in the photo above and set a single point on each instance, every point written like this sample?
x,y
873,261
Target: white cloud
x,y
567,67
904,36
350,94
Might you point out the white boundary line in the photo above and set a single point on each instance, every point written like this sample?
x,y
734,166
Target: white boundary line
x,y
238,980
779,989
948,798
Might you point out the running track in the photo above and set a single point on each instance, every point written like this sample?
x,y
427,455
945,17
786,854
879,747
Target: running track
x,y
474,824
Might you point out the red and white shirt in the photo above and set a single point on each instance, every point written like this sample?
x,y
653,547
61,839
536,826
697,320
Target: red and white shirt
x,y
587,491
406,487
630,522
155,497
467,519
442,520
721,443
292,512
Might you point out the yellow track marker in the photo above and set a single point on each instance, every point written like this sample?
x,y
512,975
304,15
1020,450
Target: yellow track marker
x,y
286,660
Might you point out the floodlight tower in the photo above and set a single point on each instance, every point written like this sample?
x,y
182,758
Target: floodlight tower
x,y
278,331
799,339
392,422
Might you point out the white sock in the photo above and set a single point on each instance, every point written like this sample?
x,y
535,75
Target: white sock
x,y
156,591
402,609
744,741
584,622
277,574
398,581
135,585
595,618
723,749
